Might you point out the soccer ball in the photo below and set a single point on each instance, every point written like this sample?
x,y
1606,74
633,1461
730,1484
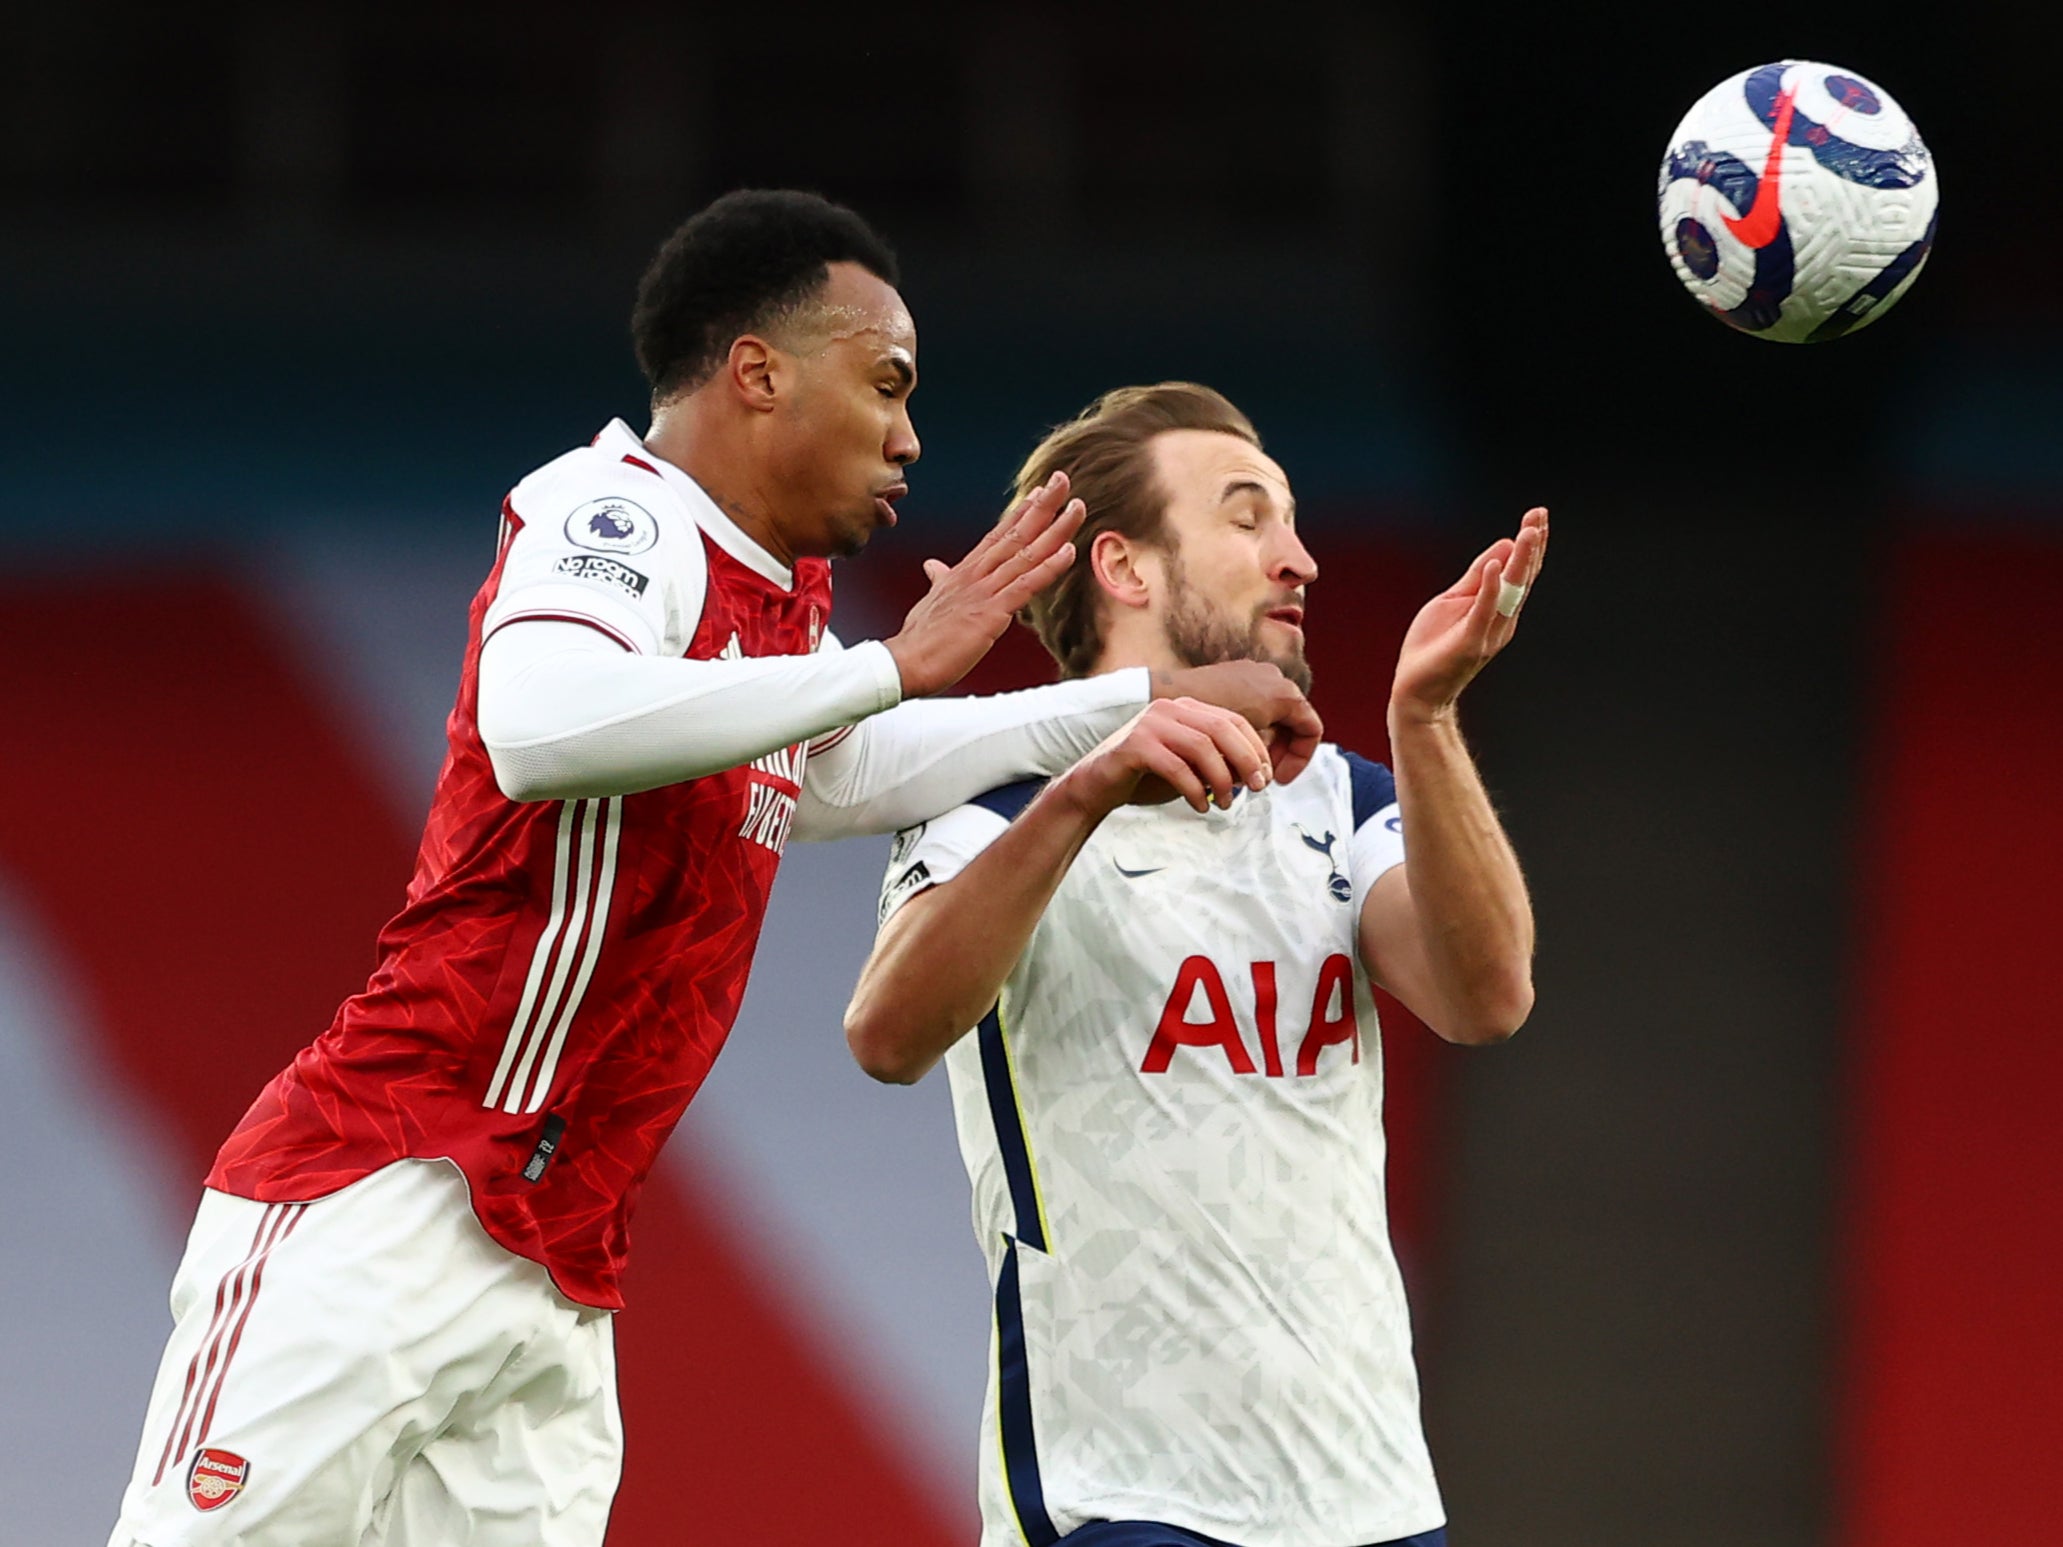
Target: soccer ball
x,y
1797,201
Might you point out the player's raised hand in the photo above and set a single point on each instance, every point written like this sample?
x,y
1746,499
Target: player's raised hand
x,y
1456,633
1259,693
1173,747
970,603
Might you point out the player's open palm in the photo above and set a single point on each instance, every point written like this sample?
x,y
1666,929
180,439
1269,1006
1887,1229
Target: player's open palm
x,y
970,603
1458,632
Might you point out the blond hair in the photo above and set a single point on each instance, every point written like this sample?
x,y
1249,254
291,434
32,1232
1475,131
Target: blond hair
x,y
1106,451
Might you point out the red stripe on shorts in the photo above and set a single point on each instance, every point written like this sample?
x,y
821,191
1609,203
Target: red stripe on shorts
x,y
292,1216
228,1292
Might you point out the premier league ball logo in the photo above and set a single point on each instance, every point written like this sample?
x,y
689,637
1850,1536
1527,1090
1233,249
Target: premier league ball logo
x,y
612,526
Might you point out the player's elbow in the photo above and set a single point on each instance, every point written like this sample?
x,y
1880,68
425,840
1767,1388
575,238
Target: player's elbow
x,y
889,1065
881,1049
527,778
1493,1013
516,782
530,773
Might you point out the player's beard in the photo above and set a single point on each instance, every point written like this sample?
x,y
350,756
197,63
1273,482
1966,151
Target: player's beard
x,y
1201,635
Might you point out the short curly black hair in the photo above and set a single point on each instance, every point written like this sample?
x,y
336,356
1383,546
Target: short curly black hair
x,y
736,266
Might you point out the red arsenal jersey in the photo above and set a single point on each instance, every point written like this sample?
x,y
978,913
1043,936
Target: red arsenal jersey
x,y
563,973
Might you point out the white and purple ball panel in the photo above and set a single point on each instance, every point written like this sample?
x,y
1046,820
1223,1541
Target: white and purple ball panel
x,y
1856,189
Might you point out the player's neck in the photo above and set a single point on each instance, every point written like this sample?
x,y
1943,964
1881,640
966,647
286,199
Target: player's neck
x,y
676,437
1136,646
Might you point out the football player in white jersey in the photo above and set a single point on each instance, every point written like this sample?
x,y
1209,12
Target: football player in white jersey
x,y
1170,1102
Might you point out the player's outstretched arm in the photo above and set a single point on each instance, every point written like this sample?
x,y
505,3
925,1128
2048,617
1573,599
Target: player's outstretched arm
x,y
940,961
927,756
565,712
564,716
1450,931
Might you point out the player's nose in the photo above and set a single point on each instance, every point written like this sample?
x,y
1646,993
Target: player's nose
x,y
902,447
1293,564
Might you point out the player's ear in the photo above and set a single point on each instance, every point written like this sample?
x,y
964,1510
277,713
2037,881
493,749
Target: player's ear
x,y
1125,571
750,372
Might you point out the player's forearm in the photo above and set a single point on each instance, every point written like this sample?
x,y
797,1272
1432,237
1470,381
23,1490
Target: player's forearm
x,y
929,755
1475,921
941,961
566,715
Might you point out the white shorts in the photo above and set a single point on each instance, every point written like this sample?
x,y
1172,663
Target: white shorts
x,y
373,1370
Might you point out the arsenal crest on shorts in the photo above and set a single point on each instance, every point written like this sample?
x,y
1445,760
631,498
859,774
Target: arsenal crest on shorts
x,y
216,1477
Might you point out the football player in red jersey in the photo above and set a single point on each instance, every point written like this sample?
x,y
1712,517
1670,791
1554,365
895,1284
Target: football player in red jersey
x,y
406,1260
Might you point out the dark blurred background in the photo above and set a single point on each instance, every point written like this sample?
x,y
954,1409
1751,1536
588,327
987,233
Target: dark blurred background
x,y
1751,1235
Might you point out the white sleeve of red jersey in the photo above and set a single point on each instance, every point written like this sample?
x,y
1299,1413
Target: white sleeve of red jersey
x,y
567,715
604,546
932,754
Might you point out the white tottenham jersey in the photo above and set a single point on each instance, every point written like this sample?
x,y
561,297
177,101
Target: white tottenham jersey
x,y
1173,1125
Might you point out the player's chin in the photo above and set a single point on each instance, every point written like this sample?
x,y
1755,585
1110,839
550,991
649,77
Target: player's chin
x,y
1291,663
1281,644
854,533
